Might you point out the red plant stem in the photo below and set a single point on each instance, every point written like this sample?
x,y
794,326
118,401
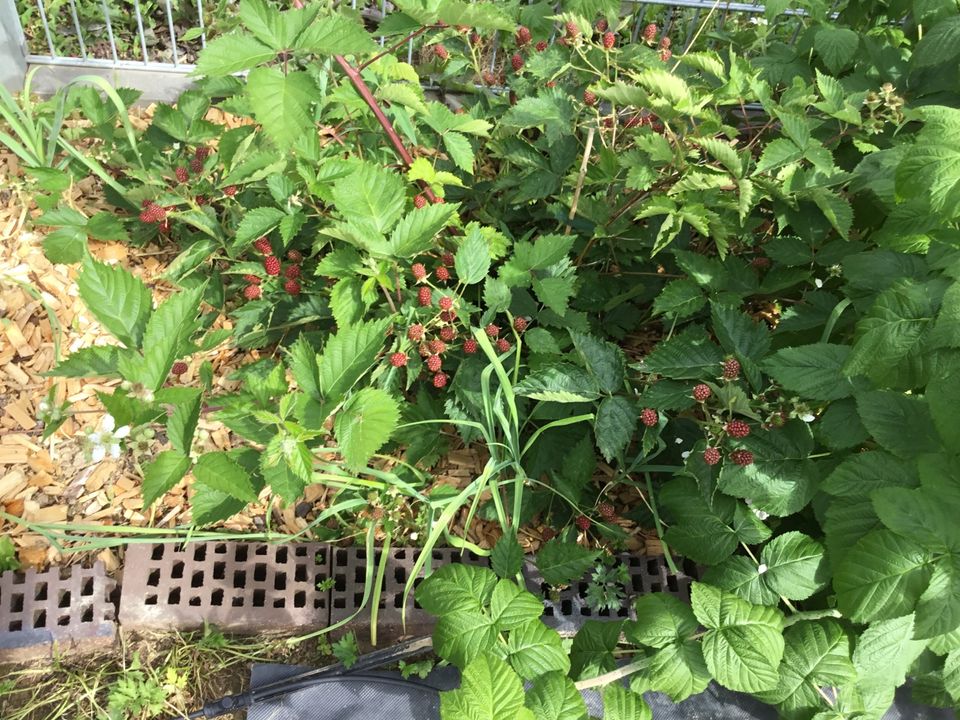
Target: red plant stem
x,y
384,121
393,47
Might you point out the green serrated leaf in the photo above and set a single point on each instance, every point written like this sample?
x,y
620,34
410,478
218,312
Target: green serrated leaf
x,y
162,473
120,301
364,424
561,563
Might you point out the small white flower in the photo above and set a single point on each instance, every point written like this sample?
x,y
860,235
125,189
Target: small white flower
x,y
685,454
762,515
758,20
808,418
43,406
414,536
106,439
762,568
678,441
818,282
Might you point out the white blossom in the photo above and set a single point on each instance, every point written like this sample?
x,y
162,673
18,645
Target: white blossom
x,y
818,282
762,568
678,441
761,514
685,454
106,439
758,20
808,418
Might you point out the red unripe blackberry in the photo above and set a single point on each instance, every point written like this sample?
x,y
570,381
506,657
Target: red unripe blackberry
x,y
252,279
263,245
609,40
503,345
419,271
434,363
292,272
731,369
551,84
442,274
445,303
202,152
146,216
182,174
420,201
761,262
448,316
441,52
438,200
230,190
601,25
523,36
292,287
179,368
200,200
737,429
589,98
711,456
649,417
572,29
665,42
447,333
295,256
424,297
415,333
519,324
583,522
665,54
517,62
252,292
488,77
398,359
196,166
701,392
650,32
606,510
742,457
548,534
271,265
541,45
440,380
448,259
470,346
492,331
437,347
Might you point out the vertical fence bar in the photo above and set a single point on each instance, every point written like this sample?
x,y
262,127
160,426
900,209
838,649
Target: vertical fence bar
x,y
383,16
106,18
143,39
203,30
173,37
13,48
692,29
641,12
76,26
46,28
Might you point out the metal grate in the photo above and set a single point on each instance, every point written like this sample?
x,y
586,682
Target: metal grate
x,y
71,606
349,576
567,609
240,587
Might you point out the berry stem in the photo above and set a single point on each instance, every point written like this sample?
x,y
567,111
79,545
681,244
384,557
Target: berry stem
x,y
384,121
656,521
408,38
587,149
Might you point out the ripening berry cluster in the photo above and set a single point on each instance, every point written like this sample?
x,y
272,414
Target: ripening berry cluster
x,y
273,267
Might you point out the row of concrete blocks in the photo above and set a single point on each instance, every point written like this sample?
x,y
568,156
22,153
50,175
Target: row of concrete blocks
x,y
254,588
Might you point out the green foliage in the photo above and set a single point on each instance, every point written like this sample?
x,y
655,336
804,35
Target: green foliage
x,y
731,279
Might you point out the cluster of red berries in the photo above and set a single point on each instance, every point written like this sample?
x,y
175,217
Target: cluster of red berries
x,y
522,36
178,368
273,268
196,163
649,417
609,40
737,429
153,213
181,174
516,60
702,392
441,52
589,99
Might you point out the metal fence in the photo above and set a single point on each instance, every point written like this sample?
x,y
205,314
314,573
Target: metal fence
x,y
134,63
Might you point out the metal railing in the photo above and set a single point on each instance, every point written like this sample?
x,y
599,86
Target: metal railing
x,y
109,56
